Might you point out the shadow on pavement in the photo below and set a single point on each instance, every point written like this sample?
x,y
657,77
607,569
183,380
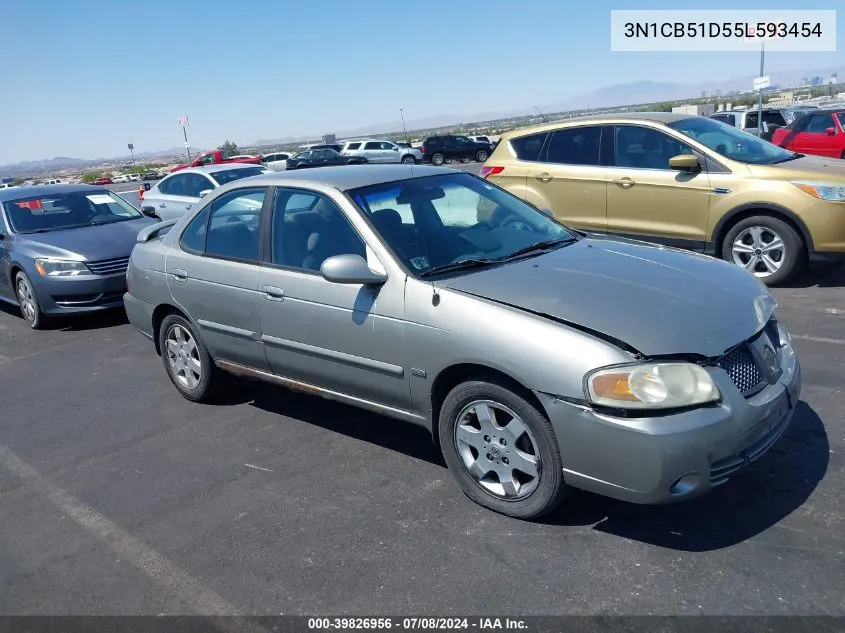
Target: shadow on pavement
x,y
73,322
755,499
827,275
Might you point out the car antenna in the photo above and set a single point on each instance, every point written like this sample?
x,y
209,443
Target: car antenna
x,y
543,116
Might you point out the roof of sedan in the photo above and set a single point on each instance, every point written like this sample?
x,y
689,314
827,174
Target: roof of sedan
x,y
14,193
345,177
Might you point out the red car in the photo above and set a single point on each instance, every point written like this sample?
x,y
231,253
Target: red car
x,y
102,181
820,132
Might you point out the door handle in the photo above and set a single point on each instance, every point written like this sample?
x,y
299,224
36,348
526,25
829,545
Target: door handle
x,y
271,293
179,274
625,183
544,177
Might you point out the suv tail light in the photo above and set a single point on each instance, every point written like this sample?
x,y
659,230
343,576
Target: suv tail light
x,y
422,148
487,170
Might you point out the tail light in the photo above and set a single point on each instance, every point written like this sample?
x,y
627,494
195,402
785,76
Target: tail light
x,y
487,170
422,149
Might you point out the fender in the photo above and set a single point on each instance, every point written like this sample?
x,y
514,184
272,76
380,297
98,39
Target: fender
x,y
713,247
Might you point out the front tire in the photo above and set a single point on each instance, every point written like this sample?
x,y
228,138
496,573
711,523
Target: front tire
x,y
502,450
187,361
767,247
28,301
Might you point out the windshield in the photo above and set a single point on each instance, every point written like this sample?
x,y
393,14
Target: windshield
x,y
56,212
840,116
445,219
228,175
731,142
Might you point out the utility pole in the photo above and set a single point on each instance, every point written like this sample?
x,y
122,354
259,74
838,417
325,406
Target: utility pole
x,y
183,122
402,114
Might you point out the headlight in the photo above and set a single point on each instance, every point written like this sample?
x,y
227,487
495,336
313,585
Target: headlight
x,y
651,386
59,268
822,191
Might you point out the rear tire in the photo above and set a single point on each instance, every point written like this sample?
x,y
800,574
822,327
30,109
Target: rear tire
x,y
437,159
187,361
408,160
479,445
767,247
481,155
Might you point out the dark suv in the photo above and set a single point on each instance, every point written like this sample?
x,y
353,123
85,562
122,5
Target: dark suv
x,y
438,149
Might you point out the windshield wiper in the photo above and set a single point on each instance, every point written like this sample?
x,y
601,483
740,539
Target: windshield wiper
x,y
794,156
539,247
461,265
34,231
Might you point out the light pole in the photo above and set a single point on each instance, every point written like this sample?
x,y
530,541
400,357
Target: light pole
x,y
402,114
131,147
183,122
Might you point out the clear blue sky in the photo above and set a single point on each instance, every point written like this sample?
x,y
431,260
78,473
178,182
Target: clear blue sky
x,y
82,78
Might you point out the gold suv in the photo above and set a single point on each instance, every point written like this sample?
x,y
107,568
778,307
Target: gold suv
x,y
679,180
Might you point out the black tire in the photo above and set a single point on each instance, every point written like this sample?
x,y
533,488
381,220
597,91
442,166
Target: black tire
x,y
437,158
793,256
409,160
482,155
550,489
28,301
212,379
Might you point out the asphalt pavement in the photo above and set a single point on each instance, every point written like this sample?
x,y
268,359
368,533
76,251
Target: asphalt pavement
x,y
117,496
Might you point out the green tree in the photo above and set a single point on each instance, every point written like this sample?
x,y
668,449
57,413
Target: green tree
x,y
91,176
229,148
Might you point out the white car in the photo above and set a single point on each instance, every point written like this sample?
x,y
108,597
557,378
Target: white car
x,y
277,161
171,197
376,151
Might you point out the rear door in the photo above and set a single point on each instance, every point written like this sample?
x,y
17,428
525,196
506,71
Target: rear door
x,y
213,275
373,152
570,177
647,199
509,167
169,198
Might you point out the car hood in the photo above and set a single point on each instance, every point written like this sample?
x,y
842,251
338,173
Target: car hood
x,y
659,301
805,167
90,243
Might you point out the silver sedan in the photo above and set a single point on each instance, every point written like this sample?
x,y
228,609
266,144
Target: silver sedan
x,y
540,358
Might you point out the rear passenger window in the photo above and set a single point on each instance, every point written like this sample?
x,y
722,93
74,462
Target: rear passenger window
x,y
353,146
528,147
372,145
575,146
234,224
193,237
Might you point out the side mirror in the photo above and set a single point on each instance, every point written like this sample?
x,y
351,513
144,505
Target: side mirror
x,y
150,212
205,192
146,186
831,131
547,212
395,149
350,269
684,162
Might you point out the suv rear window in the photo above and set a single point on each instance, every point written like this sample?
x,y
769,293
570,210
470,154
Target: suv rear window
x,y
528,147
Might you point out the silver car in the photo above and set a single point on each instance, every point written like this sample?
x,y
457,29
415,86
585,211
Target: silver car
x,y
172,196
540,358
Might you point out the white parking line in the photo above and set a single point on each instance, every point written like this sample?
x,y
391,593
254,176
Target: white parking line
x,y
152,564
819,339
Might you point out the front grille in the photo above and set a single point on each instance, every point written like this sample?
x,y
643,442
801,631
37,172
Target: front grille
x,y
742,369
114,266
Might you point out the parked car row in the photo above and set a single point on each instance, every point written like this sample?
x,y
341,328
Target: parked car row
x,y
629,369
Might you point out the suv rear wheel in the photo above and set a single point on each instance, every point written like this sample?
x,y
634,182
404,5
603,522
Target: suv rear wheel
x,y
767,247
501,449
437,158
408,160
481,155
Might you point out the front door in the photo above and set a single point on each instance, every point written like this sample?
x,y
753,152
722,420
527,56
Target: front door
x,y
347,338
648,200
815,139
213,275
570,178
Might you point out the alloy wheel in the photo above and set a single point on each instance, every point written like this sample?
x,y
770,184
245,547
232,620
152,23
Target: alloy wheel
x,y
183,357
759,250
26,300
497,450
